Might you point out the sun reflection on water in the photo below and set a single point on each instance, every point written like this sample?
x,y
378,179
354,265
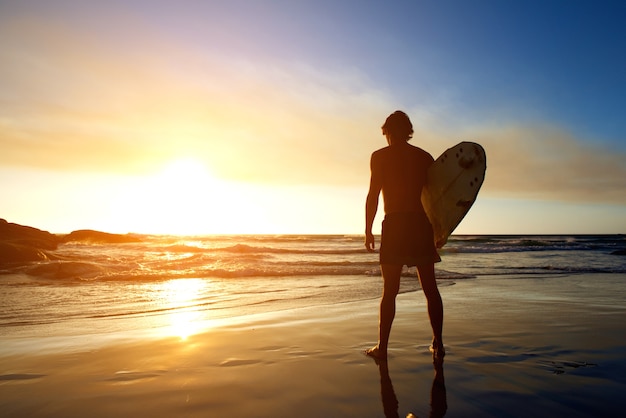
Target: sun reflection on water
x,y
181,298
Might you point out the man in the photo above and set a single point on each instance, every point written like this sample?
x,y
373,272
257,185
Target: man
x,y
400,171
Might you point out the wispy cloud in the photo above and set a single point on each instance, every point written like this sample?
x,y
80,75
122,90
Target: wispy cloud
x,y
550,163
71,102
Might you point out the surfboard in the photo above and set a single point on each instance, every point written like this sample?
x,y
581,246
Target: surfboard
x,y
453,183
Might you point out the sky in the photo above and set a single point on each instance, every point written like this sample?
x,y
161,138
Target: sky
x,y
201,117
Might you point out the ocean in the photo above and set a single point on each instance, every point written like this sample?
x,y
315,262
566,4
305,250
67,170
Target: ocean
x,y
182,285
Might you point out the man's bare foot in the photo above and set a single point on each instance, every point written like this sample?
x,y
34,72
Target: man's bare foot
x,y
376,353
438,351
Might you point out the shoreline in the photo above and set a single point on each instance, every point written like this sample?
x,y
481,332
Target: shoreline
x,y
515,347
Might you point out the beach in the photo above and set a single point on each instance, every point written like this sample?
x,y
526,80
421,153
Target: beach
x,y
516,347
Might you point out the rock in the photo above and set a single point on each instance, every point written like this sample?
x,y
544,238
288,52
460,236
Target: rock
x,y
88,235
21,244
27,236
12,254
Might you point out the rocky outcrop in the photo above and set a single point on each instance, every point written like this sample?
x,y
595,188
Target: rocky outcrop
x,y
19,244
27,235
88,235
18,254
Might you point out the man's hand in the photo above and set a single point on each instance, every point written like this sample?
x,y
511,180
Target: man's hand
x,y
370,242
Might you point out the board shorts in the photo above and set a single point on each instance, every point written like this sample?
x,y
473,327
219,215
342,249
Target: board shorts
x,y
407,239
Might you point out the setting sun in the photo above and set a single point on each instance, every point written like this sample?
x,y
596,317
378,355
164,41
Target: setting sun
x,y
174,200
184,198
183,172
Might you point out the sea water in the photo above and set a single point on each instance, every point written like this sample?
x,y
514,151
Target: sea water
x,y
181,285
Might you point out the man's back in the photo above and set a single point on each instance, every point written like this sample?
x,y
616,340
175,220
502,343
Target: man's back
x,y
401,170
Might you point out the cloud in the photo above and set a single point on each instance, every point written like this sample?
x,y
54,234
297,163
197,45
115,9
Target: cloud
x,y
549,163
72,101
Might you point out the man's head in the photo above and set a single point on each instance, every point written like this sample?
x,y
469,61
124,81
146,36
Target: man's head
x,y
398,127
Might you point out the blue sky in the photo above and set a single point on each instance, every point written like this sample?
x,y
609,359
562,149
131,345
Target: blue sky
x,y
284,100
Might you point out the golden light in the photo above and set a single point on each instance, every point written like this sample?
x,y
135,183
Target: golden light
x,y
179,199
181,296
184,198
183,172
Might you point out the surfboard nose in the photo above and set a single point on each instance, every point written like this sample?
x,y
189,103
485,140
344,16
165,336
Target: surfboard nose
x,y
468,158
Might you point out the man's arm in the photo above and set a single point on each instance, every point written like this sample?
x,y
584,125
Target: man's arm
x,y
371,205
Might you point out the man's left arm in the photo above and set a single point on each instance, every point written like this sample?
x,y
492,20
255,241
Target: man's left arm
x,y
371,205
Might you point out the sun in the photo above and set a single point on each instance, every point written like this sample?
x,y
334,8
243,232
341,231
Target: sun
x,y
183,197
177,199
183,173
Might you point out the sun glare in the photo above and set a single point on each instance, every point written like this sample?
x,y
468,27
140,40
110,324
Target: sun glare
x,y
181,295
179,199
183,172
185,198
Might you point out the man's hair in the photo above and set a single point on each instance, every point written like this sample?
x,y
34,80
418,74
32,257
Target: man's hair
x,y
398,125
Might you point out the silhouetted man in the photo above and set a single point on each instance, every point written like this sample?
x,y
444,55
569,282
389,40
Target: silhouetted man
x,y
400,172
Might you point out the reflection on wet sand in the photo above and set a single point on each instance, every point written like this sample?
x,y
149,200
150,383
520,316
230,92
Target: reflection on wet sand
x,y
390,401
438,400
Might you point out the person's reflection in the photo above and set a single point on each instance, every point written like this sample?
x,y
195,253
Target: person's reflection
x,y
438,400
390,401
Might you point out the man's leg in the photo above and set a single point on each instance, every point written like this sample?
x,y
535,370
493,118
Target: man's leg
x,y
426,274
391,286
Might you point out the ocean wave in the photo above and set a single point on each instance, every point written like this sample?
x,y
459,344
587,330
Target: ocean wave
x,y
76,272
236,257
571,270
246,248
352,245
506,244
60,270
72,271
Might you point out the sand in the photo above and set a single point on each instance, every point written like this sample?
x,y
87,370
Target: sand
x,y
516,347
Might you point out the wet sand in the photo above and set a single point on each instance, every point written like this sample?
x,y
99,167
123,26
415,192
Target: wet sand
x,y
516,347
